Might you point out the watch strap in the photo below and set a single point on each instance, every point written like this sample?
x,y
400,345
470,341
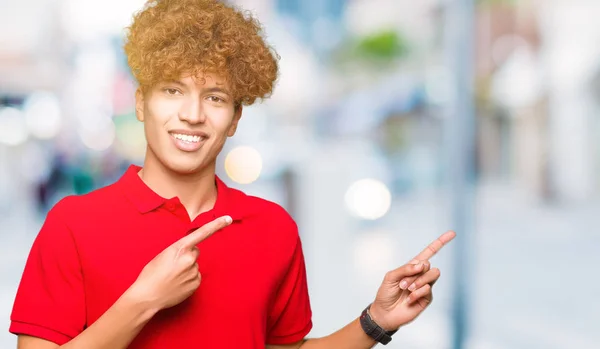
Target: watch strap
x,y
373,330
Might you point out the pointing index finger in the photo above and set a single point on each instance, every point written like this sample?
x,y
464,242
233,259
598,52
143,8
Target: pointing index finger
x,y
200,234
435,246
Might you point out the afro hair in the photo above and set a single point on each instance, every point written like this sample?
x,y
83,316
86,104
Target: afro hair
x,y
169,38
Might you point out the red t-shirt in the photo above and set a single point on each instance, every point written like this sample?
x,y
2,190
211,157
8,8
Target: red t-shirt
x,y
91,248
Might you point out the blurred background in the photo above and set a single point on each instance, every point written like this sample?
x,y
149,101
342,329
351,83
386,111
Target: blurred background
x,y
392,122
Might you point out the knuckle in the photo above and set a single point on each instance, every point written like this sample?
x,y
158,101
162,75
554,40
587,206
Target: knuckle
x,y
187,259
389,275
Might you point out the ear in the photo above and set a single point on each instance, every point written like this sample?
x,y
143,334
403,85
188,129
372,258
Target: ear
x,y
236,119
139,104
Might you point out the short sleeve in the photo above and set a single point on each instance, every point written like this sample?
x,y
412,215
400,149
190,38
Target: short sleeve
x,y
290,318
50,301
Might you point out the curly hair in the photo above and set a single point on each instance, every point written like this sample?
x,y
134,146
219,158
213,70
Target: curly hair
x,y
171,37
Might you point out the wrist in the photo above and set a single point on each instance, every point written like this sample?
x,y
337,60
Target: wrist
x,y
374,330
135,303
376,314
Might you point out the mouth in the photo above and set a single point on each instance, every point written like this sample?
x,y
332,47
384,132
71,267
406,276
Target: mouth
x,y
188,138
188,141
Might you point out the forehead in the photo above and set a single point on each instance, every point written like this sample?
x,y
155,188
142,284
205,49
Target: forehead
x,y
203,80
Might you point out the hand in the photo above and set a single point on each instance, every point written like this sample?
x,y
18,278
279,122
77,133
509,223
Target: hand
x,y
395,306
173,275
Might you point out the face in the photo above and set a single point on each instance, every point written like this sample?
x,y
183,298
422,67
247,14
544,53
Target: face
x,y
187,121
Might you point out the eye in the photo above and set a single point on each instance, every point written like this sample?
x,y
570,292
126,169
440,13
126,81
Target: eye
x,y
216,99
172,91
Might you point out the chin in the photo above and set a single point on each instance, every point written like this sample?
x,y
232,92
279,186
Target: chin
x,y
186,167
182,164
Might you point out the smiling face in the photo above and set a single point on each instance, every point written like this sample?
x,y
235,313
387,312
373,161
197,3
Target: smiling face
x,y
186,122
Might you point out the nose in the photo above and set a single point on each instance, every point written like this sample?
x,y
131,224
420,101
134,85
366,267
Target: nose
x,y
192,111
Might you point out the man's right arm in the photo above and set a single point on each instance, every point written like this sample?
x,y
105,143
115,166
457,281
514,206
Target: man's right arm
x,y
114,330
165,281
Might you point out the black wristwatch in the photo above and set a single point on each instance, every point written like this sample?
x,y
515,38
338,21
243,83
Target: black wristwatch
x,y
373,330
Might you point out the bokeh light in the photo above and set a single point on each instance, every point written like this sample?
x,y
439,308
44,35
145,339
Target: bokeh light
x,y
243,164
374,252
13,130
43,115
368,199
100,138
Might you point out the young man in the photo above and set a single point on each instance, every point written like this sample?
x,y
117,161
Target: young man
x,y
136,264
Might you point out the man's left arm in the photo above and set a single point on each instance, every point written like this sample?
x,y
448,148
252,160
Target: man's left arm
x,y
403,295
351,336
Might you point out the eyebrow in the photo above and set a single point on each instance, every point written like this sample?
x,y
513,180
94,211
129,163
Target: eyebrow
x,y
217,89
176,82
209,90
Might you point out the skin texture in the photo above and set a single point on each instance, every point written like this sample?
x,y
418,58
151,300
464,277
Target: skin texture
x,y
183,105
187,104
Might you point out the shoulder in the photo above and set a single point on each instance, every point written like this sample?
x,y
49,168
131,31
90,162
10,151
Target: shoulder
x,y
75,218
73,208
270,210
263,209
268,215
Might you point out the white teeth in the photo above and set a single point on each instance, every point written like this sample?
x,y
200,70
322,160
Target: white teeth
x,y
188,138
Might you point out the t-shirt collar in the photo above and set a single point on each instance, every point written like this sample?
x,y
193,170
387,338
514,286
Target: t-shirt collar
x,y
146,200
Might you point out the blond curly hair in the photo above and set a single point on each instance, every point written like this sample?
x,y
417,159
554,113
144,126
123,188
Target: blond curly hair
x,y
169,38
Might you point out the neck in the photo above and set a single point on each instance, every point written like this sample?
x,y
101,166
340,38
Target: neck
x,y
196,191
